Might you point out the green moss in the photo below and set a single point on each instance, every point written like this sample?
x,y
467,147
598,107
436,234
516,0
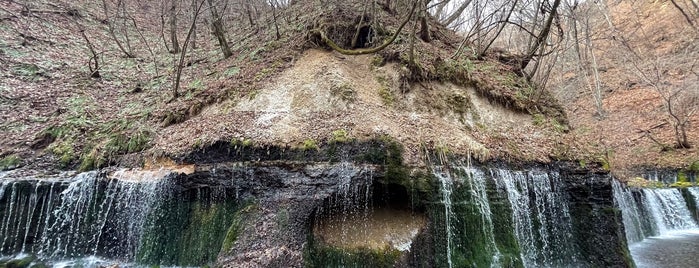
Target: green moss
x,y
340,136
235,228
539,119
378,61
309,144
326,256
694,167
682,184
241,143
459,104
10,162
456,71
384,91
386,96
232,71
344,91
187,232
63,149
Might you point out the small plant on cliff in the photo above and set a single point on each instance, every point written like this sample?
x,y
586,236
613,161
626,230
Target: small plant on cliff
x,y
309,144
340,136
10,162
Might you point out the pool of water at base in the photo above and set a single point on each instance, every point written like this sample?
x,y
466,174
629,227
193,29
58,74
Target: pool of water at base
x,y
676,249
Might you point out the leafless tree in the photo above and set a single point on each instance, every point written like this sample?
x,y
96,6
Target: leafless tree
x,y
180,64
112,31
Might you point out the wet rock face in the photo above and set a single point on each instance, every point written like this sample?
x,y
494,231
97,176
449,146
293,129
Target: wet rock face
x,y
597,224
273,230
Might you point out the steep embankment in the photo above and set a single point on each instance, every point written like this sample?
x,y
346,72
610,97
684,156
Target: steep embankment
x,y
326,96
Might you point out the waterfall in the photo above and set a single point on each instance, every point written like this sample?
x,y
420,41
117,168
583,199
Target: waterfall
x,y
132,217
669,209
694,191
83,216
542,222
651,212
630,213
528,209
479,193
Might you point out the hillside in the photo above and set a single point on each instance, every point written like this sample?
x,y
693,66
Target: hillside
x,y
284,86
288,92
638,46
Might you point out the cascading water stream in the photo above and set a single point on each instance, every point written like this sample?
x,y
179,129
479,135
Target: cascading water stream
x,y
479,193
660,230
694,191
540,216
446,190
669,209
88,218
84,216
630,213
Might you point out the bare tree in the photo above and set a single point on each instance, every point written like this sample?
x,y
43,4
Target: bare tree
x,y
180,65
112,33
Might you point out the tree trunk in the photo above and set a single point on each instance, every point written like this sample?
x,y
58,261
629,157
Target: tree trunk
x,y
111,31
180,65
424,26
173,27
217,26
193,42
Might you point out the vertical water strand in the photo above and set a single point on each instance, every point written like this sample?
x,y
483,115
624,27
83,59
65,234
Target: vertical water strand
x,y
9,214
106,206
44,215
514,184
630,214
16,224
3,186
477,184
559,249
33,201
368,179
446,189
542,190
63,234
45,232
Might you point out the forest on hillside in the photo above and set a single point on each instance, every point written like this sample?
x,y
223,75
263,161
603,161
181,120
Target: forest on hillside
x,y
97,79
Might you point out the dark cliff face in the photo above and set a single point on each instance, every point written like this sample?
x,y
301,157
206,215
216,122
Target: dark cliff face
x,y
597,224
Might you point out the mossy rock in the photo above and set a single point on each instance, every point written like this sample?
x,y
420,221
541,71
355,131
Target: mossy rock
x,y
10,162
327,256
24,262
